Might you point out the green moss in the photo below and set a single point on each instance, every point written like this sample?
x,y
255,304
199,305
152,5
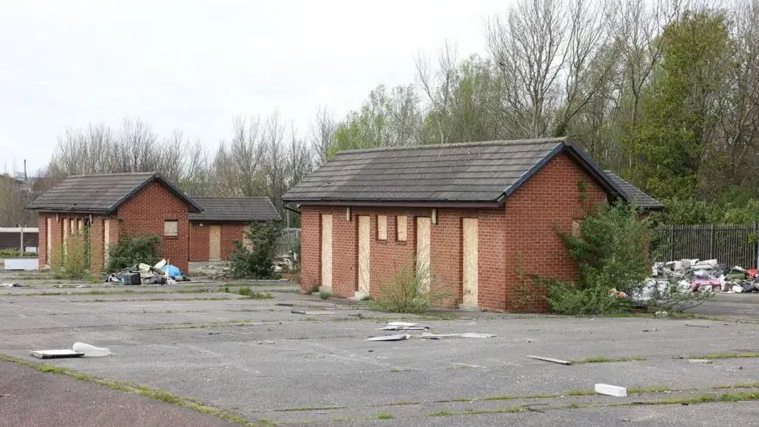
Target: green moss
x,y
602,359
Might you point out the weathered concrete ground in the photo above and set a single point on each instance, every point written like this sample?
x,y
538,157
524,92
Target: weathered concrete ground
x,y
261,361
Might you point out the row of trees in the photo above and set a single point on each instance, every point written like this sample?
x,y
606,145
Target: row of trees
x,y
665,92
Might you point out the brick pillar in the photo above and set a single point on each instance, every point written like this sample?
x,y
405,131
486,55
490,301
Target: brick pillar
x,y
42,246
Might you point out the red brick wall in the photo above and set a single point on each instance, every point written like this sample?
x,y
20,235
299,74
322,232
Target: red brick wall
x,y
199,243
42,247
146,212
548,202
522,236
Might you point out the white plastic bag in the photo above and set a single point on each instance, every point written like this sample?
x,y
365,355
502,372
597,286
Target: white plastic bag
x,y
90,350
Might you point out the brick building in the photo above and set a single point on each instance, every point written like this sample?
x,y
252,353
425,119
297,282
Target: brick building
x,y
222,221
474,220
105,207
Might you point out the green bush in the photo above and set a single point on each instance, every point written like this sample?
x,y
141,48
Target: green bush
x,y
72,260
612,252
325,294
15,253
407,293
257,263
132,250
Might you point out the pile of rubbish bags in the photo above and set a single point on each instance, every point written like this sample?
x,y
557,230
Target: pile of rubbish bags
x,y
162,273
694,275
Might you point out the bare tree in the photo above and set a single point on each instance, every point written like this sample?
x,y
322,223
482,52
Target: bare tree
x,y
323,133
530,47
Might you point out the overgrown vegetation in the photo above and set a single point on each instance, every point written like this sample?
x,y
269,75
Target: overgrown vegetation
x,y
15,253
132,250
409,291
325,294
258,262
71,260
612,253
247,292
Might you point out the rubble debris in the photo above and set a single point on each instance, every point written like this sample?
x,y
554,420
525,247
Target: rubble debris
x,y
11,285
611,390
696,326
401,337
313,313
428,336
550,359
90,350
693,275
56,354
285,304
404,326
701,361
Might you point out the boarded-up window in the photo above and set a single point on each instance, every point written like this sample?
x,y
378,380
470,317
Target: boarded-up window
x,y
400,222
577,228
170,228
381,227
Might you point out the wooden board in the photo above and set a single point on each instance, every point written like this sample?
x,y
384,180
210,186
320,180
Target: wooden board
x,y
55,354
423,251
381,227
327,251
49,240
364,254
106,240
469,259
402,227
214,243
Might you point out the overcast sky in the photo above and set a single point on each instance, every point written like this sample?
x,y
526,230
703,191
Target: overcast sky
x,y
195,65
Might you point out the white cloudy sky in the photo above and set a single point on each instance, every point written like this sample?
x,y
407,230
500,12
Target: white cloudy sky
x,y
196,64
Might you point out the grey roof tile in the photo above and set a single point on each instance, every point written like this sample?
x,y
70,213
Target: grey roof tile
x,y
100,193
246,209
469,172
635,195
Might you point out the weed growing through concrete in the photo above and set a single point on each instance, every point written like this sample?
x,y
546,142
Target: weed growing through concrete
x,y
716,356
144,391
325,294
385,416
246,292
602,359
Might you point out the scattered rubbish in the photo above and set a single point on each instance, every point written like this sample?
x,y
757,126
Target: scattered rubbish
x,y
611,390
401,337
550,359
10,285
285,304
427,336
693,275
662,314
696,326
404,326
701,361
90,350
56,354
171,271
313,313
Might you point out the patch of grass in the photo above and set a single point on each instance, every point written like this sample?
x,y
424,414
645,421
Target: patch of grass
x,y
125,387
704,398
322,408
715,356
441,413
403,403
644,390
325,294
580,393
254,295
573,405
736,386
602,359
385,416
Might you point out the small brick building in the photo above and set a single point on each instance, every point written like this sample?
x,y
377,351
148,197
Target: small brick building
x,y
222,221
105,207
474,220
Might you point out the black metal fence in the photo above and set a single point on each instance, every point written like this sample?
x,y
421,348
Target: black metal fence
x,y
728,244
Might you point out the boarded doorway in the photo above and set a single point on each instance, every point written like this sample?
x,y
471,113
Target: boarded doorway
x,y
327,251
364,255
214,243
469,267
423,252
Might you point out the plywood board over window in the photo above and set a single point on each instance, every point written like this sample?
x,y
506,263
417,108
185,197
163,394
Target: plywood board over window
x,y
170,228
381,227
402,227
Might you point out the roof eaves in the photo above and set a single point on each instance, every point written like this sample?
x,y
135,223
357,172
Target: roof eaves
x,y
591,168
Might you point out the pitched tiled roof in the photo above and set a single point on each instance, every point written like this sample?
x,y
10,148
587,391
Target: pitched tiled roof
x,y
101,193
634,195
248,209
462,173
